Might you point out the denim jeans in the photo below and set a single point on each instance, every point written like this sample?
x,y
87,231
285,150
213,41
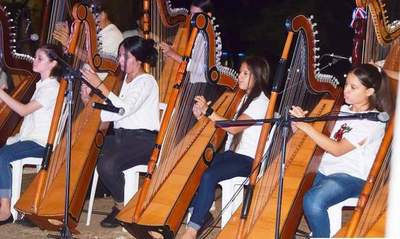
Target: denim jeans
x,y
325,192
13,152
224,166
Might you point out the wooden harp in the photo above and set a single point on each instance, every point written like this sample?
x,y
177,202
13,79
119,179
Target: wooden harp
x,y
42,202
307,87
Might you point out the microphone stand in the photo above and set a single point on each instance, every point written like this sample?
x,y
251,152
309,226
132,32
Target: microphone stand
x,y
78,75
65,232
284,123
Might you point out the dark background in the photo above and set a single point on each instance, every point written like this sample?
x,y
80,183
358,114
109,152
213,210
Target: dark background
x,y
257,27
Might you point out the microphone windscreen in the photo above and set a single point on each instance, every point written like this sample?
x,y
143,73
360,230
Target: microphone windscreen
x,y
34,37
383,117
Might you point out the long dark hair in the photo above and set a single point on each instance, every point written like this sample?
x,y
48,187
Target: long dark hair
x,y
205,5
53,52
372,76
259,69
142,49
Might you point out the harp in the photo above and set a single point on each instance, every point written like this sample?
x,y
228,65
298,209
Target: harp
x,y
166,24
19,67
18,64
369,217
381,29
307,87
41,201
162,201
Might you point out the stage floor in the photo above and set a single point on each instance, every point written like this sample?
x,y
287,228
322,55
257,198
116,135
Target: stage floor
x,y
95,231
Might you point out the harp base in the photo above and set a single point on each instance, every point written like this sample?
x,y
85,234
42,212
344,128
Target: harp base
x,y
146,232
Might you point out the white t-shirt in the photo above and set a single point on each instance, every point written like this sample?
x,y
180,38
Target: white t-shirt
x,y
358,161
109,37
36,125
249,140
197,66
139,98
3,78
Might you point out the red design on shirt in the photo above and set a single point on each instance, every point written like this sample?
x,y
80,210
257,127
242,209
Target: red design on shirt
x,y
343,129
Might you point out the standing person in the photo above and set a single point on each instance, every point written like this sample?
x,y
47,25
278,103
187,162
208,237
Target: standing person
x,y
32,137
134,131
350,150
242,141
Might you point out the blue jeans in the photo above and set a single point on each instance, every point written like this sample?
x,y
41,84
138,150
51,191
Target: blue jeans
x,y
13,152
325,192
224,166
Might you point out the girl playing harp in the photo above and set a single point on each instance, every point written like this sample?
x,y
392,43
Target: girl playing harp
x,y
350,150
242,141
31,139
135,130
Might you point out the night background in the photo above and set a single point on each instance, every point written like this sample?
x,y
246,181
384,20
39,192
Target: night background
x,y
257,27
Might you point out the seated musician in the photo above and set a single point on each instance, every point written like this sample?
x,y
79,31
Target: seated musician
x,y
242,141
350,150
197,6
109,36
135,130
37,113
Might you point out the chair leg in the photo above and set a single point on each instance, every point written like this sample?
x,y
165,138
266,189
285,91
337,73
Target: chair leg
x,y
226,195
92,196
335,214
132,187
17,168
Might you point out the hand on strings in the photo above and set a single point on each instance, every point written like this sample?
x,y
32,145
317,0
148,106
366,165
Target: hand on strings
x,y
196,111
94,80
61,33
90,76
85,93
169,52
298,112
202,104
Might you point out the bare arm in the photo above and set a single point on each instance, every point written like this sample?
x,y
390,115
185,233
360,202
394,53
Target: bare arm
x,y
90,76
18,107
336,148
200,108
169,52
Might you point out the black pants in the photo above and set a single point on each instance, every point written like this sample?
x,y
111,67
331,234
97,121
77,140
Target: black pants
x,y
121,151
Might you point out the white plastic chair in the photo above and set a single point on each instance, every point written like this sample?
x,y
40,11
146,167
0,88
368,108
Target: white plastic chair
x,y
18,165
228,189
16,171
230,186
131,175
335,214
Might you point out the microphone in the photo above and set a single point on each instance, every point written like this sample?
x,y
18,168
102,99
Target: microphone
x,y
109,107
375,116
340,57
32,38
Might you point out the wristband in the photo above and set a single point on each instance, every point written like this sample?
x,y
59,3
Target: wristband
x,y
209,111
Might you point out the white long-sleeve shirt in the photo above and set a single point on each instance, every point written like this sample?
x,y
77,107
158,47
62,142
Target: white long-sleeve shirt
x,y
140,100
